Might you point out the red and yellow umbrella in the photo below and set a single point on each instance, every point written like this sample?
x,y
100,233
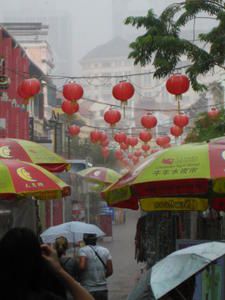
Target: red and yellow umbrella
x,y
21,179
186,177
32,152
100,175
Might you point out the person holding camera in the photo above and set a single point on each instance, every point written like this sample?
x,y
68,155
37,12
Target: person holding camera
x,y
31,271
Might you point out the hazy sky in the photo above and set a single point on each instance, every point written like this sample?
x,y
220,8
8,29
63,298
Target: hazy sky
x,y
91,20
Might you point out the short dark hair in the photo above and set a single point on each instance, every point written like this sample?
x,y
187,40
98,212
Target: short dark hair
x,y
90,238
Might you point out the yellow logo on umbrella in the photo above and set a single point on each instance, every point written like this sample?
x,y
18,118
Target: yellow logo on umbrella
x,y
25,175
5,152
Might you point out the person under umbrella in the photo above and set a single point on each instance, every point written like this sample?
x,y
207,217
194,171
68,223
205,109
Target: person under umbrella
x,y
69,264
95,266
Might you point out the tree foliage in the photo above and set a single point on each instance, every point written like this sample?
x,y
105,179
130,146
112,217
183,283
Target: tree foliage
x,y
206,128
163,45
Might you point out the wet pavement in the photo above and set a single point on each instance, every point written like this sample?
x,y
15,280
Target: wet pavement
x,y
126,269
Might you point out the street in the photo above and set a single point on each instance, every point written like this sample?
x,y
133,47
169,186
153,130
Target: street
x,y
126,270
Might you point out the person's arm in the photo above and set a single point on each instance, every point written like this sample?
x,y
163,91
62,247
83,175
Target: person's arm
x,y
109,268
77,291
82,263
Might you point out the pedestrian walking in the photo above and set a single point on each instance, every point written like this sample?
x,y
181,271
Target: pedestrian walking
x,y
69,264
95,265
32,271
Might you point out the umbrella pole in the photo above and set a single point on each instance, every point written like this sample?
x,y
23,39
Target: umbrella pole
x,y
38,220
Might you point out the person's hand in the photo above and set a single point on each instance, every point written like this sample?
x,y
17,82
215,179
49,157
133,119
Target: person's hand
x,y
50,255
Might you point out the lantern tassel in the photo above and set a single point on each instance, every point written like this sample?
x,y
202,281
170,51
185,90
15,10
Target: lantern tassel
x,y
123,106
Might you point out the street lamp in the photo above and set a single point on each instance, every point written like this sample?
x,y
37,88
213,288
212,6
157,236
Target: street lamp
x,y
56,125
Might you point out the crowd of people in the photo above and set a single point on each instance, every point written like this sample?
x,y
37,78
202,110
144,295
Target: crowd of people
x,y
31,270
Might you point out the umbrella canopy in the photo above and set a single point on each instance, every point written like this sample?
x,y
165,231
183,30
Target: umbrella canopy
x,y
73,231
32,152
179,178
21,179
100,175
175,269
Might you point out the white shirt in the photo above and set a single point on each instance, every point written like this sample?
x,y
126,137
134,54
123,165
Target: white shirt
x,y
93,277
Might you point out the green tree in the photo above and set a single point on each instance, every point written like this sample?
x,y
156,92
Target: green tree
x,y
206,128
163,45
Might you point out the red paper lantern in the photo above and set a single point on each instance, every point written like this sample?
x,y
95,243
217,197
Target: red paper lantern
x,y
138,153
104,136
118,154
213,113
74,130
145,136
124,146
105,152
72,91
112,116
30,87
135,159
125,162
123,91
120,137
69,108
181,120
95,136
162,140
176,131
105,143
21,93
130,155
145,147
131,141
177,84
148,121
